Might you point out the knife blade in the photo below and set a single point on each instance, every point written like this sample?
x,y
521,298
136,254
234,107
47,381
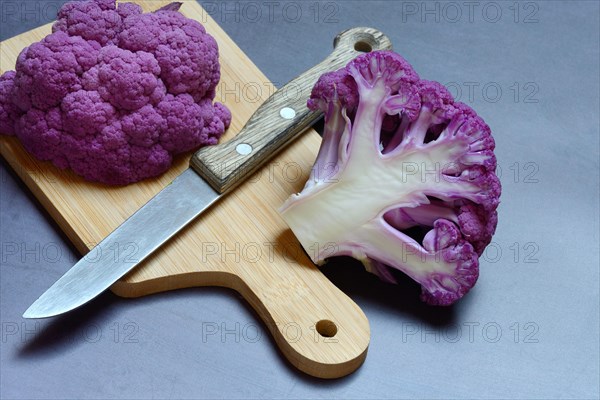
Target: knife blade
x,y
213,172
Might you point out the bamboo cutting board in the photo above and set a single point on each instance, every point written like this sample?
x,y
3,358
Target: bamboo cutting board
x,y
240,243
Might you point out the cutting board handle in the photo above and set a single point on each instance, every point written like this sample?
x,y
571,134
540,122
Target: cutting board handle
x,y
318,328
280,118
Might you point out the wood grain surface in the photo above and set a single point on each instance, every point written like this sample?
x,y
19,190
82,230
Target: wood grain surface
x,y
240,243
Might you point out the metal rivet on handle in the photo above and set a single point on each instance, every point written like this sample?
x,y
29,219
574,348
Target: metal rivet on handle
x,y
243,149
287,113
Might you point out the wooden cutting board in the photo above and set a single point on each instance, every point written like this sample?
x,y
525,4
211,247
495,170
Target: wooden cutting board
x,y
240,243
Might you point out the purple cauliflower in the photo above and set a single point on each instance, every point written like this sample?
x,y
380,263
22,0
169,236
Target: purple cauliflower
x,y
404,179
114,94
9,112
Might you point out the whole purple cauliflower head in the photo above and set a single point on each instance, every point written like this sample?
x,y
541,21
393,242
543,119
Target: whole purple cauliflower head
x,y
114,94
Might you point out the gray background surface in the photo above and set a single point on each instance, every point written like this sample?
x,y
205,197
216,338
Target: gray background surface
x,y
529,329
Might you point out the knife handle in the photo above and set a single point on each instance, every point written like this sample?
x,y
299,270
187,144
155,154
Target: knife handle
x,y
280,118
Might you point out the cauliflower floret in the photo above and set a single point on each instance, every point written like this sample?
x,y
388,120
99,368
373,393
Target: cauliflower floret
x,y
187,56
9,112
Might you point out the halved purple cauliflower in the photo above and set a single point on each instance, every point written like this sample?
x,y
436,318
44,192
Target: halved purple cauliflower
x,y
404,179
114,94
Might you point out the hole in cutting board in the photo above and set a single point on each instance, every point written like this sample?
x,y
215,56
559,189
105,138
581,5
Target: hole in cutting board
x,y
326,328
363,47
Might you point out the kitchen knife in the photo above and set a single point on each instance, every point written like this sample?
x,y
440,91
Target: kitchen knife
x,y
213,172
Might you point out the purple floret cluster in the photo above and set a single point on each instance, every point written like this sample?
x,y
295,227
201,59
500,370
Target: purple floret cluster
x,y
404,180
113,93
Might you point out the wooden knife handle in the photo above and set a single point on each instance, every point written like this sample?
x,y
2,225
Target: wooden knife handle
x,y
280,118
